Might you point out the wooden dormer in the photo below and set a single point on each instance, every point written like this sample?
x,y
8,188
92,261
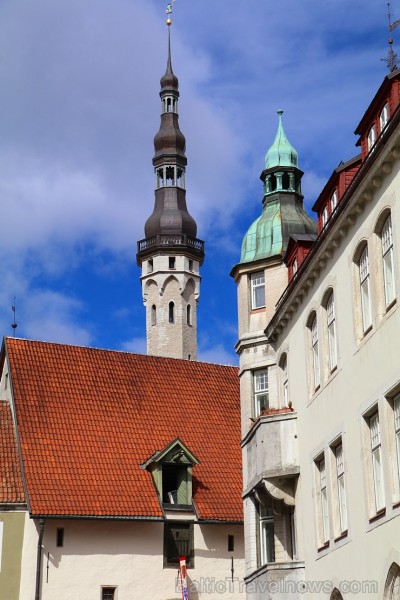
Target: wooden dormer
x,y
334,190
298,248
172,472
382,108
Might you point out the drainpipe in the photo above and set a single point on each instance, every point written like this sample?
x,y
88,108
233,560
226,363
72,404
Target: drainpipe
x,y
39,559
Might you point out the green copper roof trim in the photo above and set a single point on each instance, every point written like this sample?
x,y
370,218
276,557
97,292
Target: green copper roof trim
x,y
281,153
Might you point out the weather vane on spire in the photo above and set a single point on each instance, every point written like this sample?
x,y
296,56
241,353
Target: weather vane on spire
x,y
169,12
391,59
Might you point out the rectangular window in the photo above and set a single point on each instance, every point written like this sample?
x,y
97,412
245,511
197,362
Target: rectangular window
x,y
260,384
371,138
341,488
388,261
384,117
257,290
178,541
266,534
108,593
231,543
376,457
323,495
365,290
315,352
331,322
60,538
325,216
396,415
333,201
171,262
285,383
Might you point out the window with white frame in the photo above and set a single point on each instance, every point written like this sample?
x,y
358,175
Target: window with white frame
x,y
384,117
285,380
323,501
325,216
388,261
295,267
396,416
315,352
108,593
341,487
333,201
331,324
365,290
266,534
371,138
260,387
376,457
257,290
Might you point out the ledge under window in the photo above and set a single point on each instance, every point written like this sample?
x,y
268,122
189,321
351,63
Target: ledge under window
x,y
379,514
341,536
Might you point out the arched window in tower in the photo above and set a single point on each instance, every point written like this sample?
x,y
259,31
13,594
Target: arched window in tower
x,y
171,312
189,314
154,315
169,104
285,181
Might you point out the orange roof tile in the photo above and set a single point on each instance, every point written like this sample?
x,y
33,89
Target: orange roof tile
x,y
11,488
88,418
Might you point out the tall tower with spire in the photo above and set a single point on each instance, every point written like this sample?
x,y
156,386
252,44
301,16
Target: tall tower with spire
x,y
170,256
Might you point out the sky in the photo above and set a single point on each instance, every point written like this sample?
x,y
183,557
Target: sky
x,y
79,107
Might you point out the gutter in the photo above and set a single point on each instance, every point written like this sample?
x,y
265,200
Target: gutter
x,y
39,559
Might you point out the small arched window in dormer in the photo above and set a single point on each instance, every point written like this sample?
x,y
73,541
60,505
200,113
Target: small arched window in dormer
x,y
171,312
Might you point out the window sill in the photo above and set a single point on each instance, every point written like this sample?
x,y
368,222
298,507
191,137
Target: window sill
x,y
324,547
390,306
381,513
341,537
258,310
396,505
367,331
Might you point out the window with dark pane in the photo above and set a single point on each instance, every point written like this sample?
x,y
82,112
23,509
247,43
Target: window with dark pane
x,y
178,541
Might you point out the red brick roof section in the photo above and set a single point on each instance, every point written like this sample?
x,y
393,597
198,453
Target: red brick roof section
x,y
11,488
88,419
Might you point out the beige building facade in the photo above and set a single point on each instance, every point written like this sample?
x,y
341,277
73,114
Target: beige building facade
x,y
320,386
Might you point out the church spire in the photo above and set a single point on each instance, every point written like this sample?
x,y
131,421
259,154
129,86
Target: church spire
x,y
170,255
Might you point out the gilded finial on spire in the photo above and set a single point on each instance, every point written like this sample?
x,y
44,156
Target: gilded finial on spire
x,y
169,12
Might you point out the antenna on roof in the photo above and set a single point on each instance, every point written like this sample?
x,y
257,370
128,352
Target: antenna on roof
x,y
14,309
391,59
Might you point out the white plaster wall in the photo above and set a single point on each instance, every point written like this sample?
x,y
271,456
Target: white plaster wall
x,y
128,555
368,368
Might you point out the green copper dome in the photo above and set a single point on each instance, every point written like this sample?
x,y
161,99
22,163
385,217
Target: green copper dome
x,y
268,235
283,213
281,153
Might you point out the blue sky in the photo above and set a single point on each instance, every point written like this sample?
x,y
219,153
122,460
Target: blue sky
x,y
79,107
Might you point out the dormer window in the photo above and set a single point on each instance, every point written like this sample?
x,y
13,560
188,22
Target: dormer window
x,y
384,117
295,267
172,472
325,216
371,138
333,201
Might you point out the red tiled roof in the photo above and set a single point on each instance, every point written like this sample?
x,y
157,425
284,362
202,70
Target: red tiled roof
x,y
88,419
11,488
